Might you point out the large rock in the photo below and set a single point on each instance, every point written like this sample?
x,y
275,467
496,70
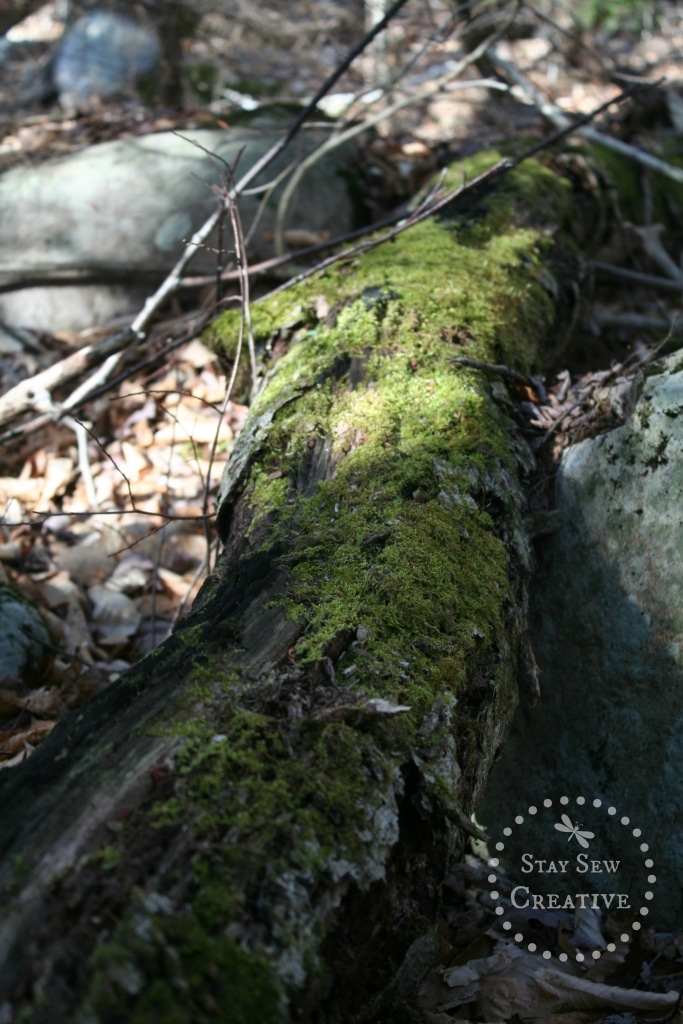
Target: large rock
x,y
128,207
607,630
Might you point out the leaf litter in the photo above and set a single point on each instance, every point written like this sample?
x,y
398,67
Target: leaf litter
x,y
110,582
483,974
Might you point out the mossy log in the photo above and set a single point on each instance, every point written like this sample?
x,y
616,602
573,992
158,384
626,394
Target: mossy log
x,y
254,823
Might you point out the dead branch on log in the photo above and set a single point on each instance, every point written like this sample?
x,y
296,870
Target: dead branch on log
x,y
555,115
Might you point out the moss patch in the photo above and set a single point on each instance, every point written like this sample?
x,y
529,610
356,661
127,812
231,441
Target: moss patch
x,y
456,266
402,537
195,979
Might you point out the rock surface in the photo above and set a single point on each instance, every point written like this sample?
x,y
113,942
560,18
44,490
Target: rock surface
x,y
24,638
125,208
101,56
607,630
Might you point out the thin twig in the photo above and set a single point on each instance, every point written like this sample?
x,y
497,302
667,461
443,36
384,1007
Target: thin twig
x,y
561,418
245,304
650,236
638,321
79,430
635,277
85,429
498,370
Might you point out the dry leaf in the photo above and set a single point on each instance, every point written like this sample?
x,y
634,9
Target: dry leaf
x,y
114,614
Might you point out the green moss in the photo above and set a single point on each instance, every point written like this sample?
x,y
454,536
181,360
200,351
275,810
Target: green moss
x,y
454,275
255,809
270,488
440,580
251,785
167,969
20,866
405,536
395,538
108,857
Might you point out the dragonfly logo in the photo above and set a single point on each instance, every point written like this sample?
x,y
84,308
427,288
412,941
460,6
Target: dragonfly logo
x,y
574,830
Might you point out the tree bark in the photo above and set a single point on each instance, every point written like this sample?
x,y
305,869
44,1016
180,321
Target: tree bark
x,y
254,823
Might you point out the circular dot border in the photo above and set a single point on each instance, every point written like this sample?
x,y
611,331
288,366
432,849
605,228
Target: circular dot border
x,y
643,910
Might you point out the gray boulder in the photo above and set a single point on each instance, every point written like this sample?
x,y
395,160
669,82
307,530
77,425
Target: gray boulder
x,y
607,630
124,210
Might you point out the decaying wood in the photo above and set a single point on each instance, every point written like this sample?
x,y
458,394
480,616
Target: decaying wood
x,y
254,823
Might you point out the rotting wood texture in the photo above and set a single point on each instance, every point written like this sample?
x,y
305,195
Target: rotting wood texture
x,y
254,823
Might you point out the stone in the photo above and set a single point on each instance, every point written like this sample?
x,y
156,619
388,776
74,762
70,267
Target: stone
x,y
24,639
607,631
127,208
101,56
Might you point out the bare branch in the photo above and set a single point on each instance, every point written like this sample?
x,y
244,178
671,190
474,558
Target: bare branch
x,y
636,277
555,115
34,392
437,86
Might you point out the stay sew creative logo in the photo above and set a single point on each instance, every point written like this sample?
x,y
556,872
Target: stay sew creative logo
x,y
579,876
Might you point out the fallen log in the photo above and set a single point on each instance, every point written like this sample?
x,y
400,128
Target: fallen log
x,y
254,823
